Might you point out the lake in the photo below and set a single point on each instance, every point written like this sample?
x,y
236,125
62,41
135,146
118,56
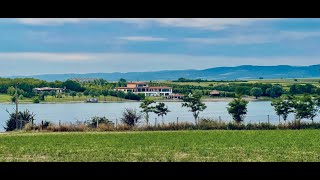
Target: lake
x,y
257,111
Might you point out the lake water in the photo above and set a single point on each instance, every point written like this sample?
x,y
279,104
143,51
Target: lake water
x,y
257,111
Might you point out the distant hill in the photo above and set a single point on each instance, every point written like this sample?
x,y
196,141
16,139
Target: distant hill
x,y
244,72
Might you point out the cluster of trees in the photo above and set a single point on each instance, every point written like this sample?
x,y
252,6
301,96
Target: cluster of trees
x,y
303,107
254,89
204,80
301,89
94,88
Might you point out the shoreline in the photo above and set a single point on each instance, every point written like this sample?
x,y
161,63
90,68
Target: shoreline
x,y
128,101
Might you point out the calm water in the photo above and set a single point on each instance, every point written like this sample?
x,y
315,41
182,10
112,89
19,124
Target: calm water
x,y
257,111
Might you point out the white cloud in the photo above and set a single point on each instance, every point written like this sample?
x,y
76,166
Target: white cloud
x,y
48,57
142,38
255,38
201,23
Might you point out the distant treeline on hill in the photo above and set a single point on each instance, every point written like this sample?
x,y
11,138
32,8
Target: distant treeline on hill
x,y
205,80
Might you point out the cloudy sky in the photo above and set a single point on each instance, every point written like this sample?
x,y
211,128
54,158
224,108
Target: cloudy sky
x,y
42,46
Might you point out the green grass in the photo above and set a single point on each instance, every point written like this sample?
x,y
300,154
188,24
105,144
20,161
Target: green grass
x,y
269,145
82,99
5,98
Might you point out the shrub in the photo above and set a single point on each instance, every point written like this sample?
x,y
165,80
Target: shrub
x,y
101,120
36,100
130,117
23,118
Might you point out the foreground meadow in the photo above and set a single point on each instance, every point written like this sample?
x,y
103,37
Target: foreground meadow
x,y
218,145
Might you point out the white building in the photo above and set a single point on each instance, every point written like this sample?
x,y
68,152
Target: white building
x,y
143,87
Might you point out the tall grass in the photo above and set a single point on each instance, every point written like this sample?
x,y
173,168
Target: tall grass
x,y
204,124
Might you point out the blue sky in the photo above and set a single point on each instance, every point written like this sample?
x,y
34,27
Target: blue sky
x,y
43,46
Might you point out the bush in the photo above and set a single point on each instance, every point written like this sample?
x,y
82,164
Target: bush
x,y
101,120
36,101
130,117
28,127
23,118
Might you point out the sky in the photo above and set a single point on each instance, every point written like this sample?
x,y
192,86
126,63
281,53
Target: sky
x,y
80,45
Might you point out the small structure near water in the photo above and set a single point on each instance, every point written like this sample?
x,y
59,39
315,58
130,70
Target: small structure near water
x,y
214,93
175,96
92,100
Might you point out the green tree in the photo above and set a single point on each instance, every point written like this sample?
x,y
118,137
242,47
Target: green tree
x,y
97,94
161,109
11,90
238,109
275,91
20,96
92,93
53,93
193,101
257,92
73,85
86,93
105,93
147,108
73,94
79,94
283,107
305,107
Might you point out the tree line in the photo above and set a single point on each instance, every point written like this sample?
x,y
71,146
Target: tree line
x,y
73,88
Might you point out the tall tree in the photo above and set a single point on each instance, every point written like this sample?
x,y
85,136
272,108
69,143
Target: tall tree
x,y
161,110
73,94
105,94
275,91
256,92
238,109
283,107
305,107
147,108
193,101
79,94
86,93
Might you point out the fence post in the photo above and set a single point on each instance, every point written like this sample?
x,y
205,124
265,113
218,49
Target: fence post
x,y
116,123
59,123
97,123
219,118
155,121
177,120
268,119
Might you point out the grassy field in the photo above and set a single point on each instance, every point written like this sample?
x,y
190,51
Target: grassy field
x,y
283,82
5,98
270,145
